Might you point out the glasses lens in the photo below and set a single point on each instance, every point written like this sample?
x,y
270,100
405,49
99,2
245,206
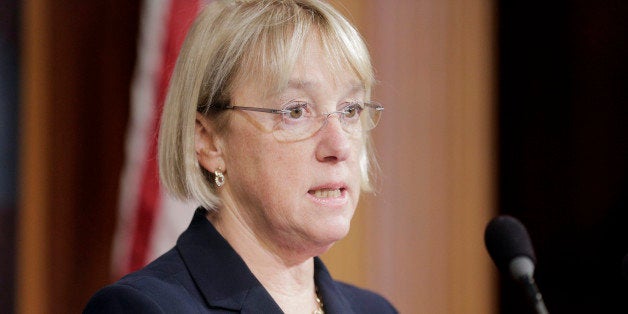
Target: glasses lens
x,y
290,129
370,115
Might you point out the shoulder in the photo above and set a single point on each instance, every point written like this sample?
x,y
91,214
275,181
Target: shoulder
x,y
120,298
163,286
365,301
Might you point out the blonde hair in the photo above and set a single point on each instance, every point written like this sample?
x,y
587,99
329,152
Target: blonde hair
x,y
228,40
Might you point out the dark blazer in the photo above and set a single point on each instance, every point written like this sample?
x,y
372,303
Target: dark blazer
x,y
203,274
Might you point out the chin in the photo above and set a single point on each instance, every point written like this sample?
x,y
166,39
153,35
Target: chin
x,y
318,238
332,232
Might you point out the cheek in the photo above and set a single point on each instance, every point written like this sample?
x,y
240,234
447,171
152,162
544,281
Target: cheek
x,y
266,166
287,168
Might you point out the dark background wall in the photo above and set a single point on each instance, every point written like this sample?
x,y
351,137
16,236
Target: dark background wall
x,y
563,147
9,58
93,58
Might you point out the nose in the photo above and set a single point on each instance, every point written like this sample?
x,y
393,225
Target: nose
x,y
327,116
334,143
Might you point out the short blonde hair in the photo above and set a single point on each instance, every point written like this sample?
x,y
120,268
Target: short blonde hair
x,y
229,40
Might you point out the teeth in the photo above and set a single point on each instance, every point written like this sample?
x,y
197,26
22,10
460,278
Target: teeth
x,y
327,193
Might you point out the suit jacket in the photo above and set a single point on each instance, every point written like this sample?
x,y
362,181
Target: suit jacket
x,y
204,274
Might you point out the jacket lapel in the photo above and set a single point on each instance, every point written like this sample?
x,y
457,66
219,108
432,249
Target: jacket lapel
x,y
227,283
334,301
219,272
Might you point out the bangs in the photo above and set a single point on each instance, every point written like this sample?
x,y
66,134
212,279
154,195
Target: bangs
x,y
275,46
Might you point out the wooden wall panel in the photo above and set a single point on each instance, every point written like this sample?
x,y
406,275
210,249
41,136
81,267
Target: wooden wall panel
x,y
77,61
471,71
411,246
32,278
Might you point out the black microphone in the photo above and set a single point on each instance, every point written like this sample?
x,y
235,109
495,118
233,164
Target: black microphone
x,y
509,245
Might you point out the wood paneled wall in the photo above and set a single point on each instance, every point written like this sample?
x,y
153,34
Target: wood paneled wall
x,y
77,61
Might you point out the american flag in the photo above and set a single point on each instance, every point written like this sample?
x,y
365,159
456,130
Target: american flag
x,y
150,220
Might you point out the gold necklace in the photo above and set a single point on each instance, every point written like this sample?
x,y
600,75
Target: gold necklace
x,y
319,303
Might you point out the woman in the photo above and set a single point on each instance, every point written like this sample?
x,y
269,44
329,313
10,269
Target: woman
x,y
265,126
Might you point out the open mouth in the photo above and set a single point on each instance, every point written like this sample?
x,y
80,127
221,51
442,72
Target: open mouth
x,y
327,193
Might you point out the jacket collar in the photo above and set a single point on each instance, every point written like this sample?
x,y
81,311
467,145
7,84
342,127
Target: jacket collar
x,y
226,282
334,301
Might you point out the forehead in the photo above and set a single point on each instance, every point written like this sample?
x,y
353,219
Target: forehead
x,y
313,70
349,86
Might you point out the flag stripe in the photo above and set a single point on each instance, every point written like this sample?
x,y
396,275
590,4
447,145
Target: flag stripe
x,y
181,13
149,220
142,108
173,215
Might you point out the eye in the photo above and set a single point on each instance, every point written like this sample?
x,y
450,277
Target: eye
x,y
352,111
296,111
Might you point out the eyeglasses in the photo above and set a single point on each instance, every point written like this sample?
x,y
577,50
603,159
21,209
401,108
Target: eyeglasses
x,y
299,120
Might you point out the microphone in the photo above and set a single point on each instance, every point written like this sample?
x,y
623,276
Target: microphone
x,y
510,247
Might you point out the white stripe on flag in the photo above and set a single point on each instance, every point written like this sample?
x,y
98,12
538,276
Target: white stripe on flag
x,y
143,107
171,215
171,219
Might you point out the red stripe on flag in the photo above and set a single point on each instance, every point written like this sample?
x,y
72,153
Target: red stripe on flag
x,y
180,16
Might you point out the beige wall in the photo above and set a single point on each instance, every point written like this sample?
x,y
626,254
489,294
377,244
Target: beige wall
x,y
419,240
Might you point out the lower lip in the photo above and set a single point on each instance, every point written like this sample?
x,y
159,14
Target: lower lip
x,y
331,201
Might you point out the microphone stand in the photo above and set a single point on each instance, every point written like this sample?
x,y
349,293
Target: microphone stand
x,y
533,294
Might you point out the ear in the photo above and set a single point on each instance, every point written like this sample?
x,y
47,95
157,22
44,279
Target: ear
x,y
208,145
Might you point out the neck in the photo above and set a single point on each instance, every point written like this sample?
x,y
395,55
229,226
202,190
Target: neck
x,y
286,275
